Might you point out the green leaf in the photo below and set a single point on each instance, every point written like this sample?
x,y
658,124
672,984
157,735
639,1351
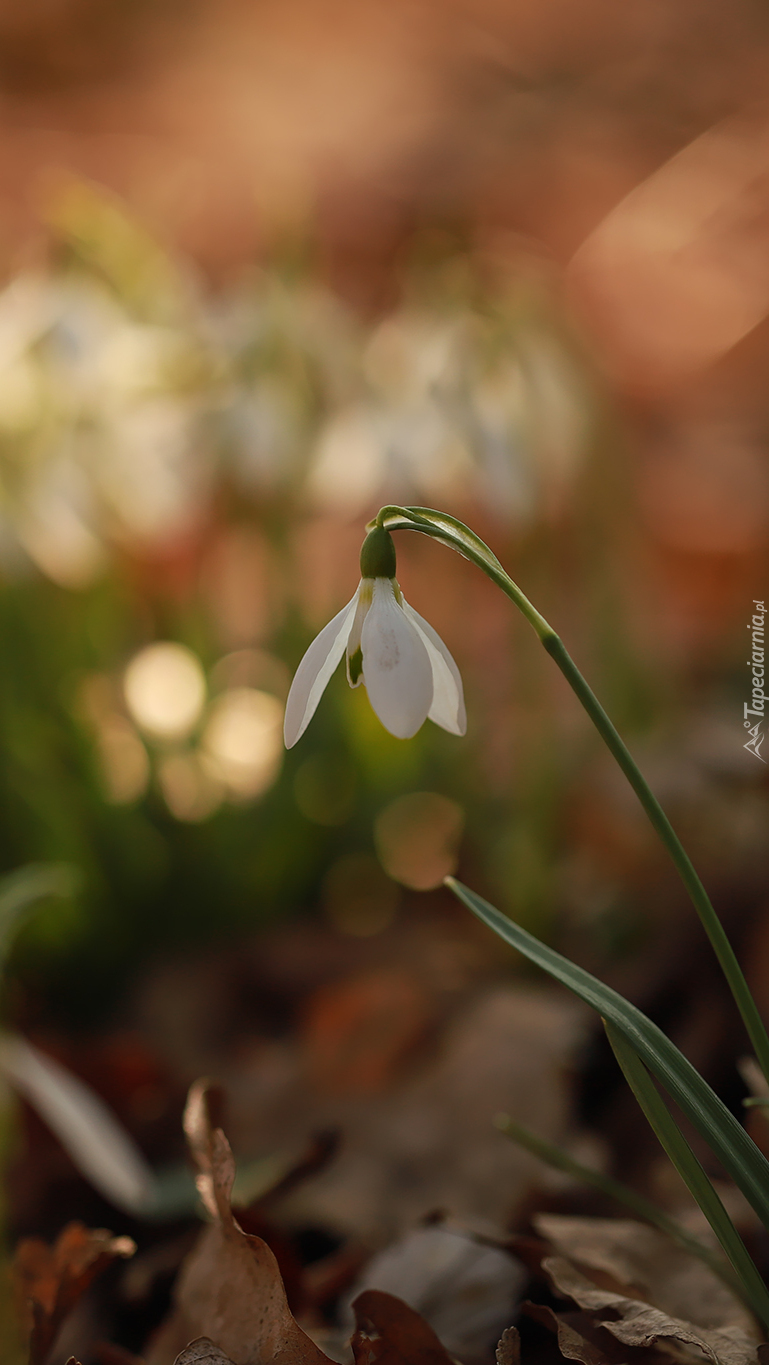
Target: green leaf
x,y
737,1153
614,1189
689,1168
97,1142
22,889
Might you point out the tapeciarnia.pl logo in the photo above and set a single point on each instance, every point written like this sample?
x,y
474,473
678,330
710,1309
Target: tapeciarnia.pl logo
x,y
758,697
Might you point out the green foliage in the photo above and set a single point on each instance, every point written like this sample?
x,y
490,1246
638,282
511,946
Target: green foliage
x,y
738,1154
638,1044
691,1171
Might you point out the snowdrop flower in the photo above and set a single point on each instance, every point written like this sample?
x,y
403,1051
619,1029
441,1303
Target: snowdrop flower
x,y
408,671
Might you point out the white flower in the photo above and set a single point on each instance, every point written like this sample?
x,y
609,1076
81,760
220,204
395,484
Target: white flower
x,y
408,671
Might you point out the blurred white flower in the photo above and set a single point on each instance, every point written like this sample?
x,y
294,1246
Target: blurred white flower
x,y
401,440
139,359
152,474
408,671
370,451
266,430
241,741
54,523
414,355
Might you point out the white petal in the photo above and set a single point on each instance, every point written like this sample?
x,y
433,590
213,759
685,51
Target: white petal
x,y
365,597
448,705
314,672
396,665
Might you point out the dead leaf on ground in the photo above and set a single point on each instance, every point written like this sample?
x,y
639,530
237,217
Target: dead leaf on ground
x,y
358,1034
579,1337
388,1332
429,1140
202,1352
625,1255
230,1289
304,1292
48,1281
640,1324
508,1350
466,1290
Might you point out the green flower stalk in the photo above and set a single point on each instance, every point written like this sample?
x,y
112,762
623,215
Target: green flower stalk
x,y
441,526
410,676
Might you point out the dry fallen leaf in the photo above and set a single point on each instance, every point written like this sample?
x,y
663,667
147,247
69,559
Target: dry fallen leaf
x,y
388,1332
632,1256
465,1290
202,1352
508,1350
579,1338
229,1289
640,1324
48,1281
429,1141
357,1034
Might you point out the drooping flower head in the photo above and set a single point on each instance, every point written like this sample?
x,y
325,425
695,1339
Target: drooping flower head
x,y
409,674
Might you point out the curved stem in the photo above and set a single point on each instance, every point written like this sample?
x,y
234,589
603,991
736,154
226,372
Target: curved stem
x,y
713,927
457,536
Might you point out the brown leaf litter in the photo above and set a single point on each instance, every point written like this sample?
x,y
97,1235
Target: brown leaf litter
x,y
230,1289
508,1350
427,1140
230,1301
636,1290
49,1281
641,1324
467,1290
202,1352
635,1259
637,1298
388,1332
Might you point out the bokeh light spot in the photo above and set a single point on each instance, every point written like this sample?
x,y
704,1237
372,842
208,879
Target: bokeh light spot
x,y
417,837
124,760
165,690
242,741
190,792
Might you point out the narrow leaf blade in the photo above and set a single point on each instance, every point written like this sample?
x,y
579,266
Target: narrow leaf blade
x,y
643,1208
754,1290
728,1140
97,1143
22,889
